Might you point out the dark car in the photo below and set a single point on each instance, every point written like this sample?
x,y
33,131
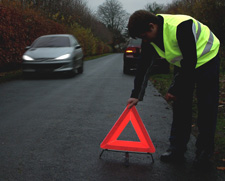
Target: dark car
x,y
53,53
132,55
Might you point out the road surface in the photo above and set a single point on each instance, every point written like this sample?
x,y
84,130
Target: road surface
x,y
51,129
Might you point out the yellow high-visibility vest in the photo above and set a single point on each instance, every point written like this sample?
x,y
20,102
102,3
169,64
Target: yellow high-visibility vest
x,y
207,44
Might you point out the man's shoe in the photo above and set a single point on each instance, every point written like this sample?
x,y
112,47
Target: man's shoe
x,y
172,156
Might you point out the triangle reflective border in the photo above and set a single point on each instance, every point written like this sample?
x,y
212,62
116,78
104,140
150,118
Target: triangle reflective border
x,y
111,141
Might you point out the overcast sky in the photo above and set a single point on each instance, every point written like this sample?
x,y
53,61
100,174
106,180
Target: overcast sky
x,y
129,5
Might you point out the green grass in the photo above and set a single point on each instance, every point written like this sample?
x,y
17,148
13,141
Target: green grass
x,y
162,83
11,75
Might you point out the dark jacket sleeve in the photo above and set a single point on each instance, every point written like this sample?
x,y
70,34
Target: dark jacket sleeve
x,y
187,45
141,77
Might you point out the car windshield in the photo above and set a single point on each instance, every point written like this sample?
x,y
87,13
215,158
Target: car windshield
x,y
51,42
135,42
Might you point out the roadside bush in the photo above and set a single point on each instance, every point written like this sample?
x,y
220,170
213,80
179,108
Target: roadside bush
x,y
222,56
107,49
90,44
19,28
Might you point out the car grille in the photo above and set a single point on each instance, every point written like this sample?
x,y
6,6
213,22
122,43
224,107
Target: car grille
x,y
43,67
43,59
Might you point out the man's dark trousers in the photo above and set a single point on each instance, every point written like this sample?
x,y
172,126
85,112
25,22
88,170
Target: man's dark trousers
x,y
206,82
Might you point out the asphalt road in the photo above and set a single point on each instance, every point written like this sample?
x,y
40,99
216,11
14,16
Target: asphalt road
x,y
51,129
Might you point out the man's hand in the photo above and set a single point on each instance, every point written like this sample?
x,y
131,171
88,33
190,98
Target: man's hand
x,y
170,97
132,102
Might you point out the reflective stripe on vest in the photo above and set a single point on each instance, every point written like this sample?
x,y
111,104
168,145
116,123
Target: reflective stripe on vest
x,y
207,48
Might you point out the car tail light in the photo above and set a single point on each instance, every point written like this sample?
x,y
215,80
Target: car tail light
x,y
131,50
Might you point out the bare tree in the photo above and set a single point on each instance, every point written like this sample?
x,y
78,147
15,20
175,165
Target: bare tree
x,y
154,8
112,14
67,12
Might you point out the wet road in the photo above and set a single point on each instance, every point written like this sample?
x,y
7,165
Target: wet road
x,y
51,128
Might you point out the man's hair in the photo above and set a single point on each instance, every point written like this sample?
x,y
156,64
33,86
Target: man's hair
x,y
139,22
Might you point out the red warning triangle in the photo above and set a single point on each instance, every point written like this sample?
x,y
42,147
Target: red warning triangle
x,y
111,141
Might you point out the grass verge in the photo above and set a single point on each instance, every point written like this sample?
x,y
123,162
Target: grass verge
x,y
11,75
162,83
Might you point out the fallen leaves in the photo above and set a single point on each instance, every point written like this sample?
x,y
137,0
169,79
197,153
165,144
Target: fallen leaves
x,y
222,102
221,168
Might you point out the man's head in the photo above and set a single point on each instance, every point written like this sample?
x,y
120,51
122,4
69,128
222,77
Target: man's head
x,y
143,24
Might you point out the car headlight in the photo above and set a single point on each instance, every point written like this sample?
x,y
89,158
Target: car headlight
x,y
63,57
25,57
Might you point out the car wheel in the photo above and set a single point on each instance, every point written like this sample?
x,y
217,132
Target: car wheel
x,y
81,69
73,72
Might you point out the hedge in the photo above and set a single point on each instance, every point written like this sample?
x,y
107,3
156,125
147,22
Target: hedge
x,y
19,27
